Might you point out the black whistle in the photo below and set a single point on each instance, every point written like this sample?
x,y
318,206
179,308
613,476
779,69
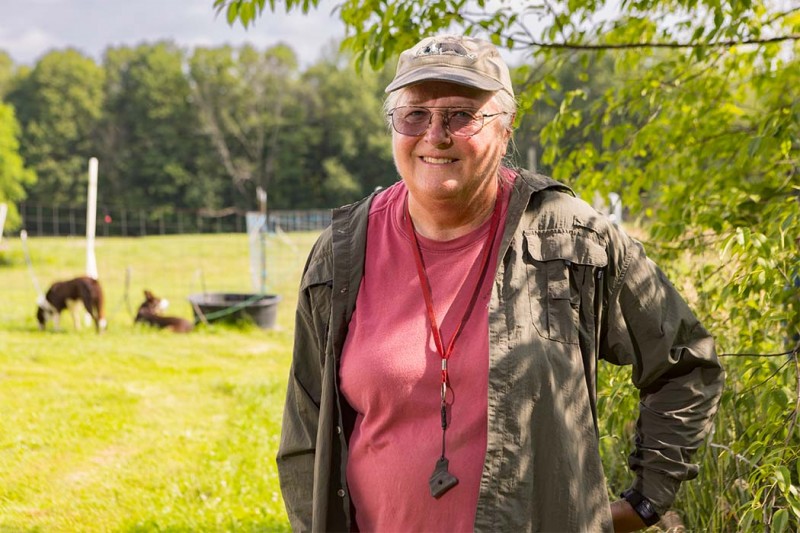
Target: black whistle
x,y
441,480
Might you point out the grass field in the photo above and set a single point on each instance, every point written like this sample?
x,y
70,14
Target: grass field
x,y
139,429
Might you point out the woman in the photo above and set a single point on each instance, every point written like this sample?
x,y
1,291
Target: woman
x,y
448,330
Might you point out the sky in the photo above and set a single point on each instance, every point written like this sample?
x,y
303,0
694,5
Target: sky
x,y
31,28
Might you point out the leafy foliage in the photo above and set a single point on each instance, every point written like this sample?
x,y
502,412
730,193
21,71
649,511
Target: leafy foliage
x,y
149,141
244,101
6,73
58,105
13,174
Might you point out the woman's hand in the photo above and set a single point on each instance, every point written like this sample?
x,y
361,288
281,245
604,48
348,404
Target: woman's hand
x,y
625,518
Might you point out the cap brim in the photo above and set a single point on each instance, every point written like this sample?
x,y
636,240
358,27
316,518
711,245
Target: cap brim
x,y
439,73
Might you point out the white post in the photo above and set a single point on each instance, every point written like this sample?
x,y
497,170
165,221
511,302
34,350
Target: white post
x,y
262,233
91,220
615,206
532,159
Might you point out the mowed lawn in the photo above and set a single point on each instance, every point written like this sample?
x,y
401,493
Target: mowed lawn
x,y
139,429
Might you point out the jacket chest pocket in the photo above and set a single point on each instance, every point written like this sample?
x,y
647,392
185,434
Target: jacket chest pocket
x,y
560,270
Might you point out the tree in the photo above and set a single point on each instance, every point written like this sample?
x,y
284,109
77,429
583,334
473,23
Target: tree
x,y
153,153
246,100
13,174
58,105
352,152
569,72
700,132
7,70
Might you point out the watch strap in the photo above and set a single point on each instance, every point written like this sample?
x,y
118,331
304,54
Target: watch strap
x,y
643,507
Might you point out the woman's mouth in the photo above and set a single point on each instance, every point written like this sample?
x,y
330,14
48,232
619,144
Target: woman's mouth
x,y
437,160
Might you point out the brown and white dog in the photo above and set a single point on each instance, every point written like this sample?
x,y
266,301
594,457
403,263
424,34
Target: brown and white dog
x,y
150,313
67,295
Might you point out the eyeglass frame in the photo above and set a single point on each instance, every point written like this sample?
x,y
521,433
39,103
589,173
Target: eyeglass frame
x,y
445,118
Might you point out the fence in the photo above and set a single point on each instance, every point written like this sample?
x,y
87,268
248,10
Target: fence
x,y
57,221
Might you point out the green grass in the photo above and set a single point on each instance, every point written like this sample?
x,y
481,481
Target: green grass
x,y
139,429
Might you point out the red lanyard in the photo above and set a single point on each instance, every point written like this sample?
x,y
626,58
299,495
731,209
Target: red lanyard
x,y
428,295
442,480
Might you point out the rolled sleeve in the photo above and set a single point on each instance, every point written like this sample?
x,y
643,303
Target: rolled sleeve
x,y
674,366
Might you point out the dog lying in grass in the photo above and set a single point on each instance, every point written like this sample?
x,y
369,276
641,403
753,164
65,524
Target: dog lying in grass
x,y
70,294
150,313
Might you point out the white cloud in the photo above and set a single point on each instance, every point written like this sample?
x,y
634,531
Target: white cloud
x,y
27,45
30,28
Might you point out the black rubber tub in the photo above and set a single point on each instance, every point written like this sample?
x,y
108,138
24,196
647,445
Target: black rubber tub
x,y
262,309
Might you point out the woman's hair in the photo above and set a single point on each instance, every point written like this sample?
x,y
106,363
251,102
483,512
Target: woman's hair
x,y
506,103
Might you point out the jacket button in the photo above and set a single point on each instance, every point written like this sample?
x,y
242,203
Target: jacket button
x,y
343,290
340,493
339,430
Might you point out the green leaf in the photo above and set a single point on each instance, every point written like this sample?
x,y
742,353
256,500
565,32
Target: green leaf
x,y
780,521
233,11
782,475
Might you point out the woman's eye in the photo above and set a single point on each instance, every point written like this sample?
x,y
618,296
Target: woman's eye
x,y
417,114
462,115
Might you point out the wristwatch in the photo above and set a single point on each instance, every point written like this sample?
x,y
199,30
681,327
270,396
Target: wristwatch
x,y
642,506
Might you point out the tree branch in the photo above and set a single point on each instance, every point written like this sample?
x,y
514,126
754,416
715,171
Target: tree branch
x,y
627,46
734,454
796,411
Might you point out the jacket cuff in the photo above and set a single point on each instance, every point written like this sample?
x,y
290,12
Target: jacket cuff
x,y
657,488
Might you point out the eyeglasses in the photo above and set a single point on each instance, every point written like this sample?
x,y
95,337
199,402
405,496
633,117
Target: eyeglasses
x,y
458,121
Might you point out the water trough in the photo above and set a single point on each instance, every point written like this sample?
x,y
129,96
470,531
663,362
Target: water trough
x,y
262,309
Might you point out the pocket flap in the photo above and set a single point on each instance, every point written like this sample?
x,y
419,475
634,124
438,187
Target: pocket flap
x,y
573,247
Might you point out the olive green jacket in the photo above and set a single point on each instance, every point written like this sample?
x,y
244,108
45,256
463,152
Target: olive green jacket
x,y
569,288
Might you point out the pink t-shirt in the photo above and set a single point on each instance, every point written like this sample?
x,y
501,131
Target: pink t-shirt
x,y
391,375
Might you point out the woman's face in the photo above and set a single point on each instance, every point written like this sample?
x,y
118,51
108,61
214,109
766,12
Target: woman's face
x,y
437,166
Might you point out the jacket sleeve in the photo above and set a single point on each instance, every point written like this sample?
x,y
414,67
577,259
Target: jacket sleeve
x,y
297,448
674,365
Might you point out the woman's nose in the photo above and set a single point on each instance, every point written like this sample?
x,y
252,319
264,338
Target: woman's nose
x,y
437,132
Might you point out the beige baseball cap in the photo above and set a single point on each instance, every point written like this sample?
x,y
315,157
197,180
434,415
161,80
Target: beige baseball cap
x,y
453,58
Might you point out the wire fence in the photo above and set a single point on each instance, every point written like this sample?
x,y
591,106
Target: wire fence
x,y
60,221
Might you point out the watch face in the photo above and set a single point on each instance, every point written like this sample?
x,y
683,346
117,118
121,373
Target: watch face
x,y
646,508
646,511
642,506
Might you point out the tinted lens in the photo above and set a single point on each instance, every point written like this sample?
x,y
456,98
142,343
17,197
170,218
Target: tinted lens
x,y
411,120
464,122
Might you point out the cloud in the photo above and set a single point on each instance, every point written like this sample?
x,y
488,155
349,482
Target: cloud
x,y
28,45
93,25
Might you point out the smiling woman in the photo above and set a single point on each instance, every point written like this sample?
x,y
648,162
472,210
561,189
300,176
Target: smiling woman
x,y
448,330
